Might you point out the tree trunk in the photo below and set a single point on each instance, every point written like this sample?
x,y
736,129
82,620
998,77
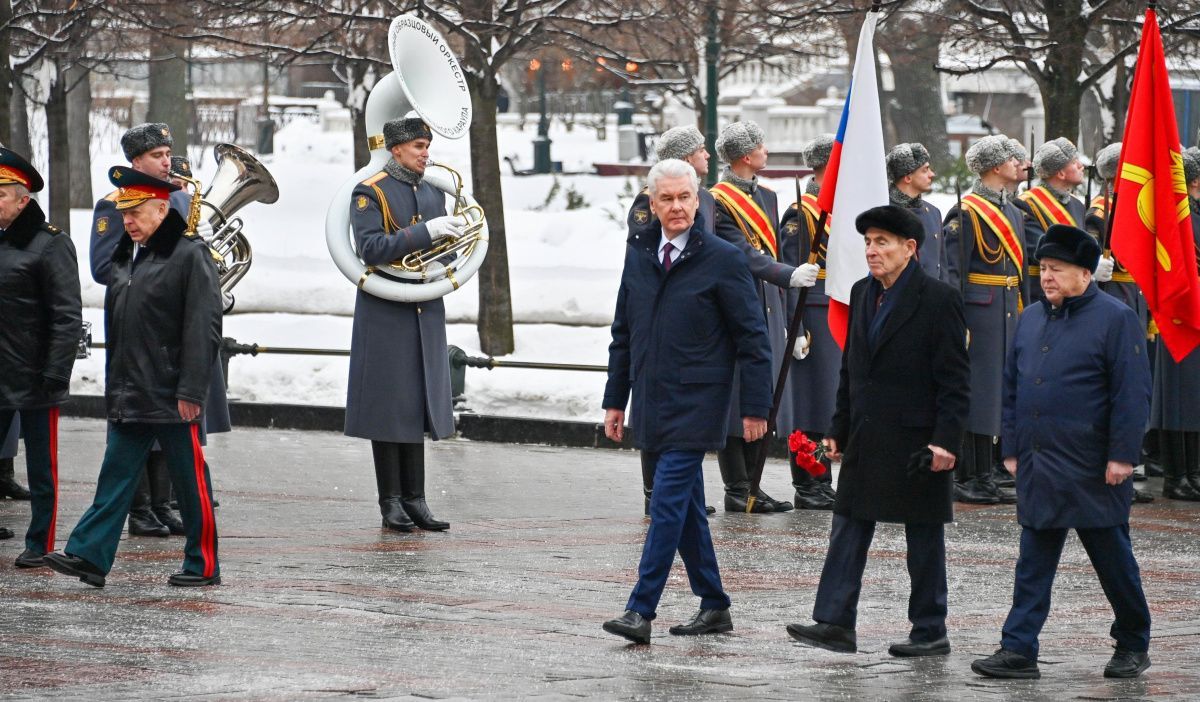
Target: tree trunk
x,y
168,90
58,135
357,91
6,75
1060,86
79,108
913,46
18,110
495,322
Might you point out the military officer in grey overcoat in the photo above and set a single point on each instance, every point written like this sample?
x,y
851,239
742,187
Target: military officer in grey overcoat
x,y
1175,408
812,380
148,149
748,217
399,387
987,232
911,176
1050,201
685,143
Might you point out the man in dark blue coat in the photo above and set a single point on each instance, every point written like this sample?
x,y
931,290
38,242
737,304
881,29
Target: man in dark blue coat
x,y
1076,400
901,410
686,312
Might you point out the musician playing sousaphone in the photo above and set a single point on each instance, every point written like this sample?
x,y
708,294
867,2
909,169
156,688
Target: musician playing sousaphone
x,y
399,386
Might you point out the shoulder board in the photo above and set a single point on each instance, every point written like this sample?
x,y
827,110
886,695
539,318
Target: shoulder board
x,y
51,228
112,197
375,178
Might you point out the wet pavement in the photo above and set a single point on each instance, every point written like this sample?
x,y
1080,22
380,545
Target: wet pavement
x,y
319,603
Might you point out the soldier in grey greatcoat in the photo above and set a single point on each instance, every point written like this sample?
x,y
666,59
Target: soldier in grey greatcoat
x,y
740,145
685,143
813,379
987,233
1059,170
399,387
911,176
1175,407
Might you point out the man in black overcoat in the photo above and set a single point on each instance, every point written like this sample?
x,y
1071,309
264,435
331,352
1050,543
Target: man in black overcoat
x,y
902,408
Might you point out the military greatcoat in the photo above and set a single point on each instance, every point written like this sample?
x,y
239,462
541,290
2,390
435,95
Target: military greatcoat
x,y
1037,220
1176,404
399,387
993,293
771,278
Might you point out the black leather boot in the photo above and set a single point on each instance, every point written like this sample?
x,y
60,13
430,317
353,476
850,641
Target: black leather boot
x,y
732,462
1191,447
160,493
9,487
968,488
387,479
412,488
1152,454
142,521
1173,447
809,490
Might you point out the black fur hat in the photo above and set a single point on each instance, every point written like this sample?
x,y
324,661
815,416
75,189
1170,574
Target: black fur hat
x,y
894,220
405,129
1070,244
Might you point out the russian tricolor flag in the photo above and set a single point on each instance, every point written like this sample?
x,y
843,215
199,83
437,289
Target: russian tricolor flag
x,y
855,180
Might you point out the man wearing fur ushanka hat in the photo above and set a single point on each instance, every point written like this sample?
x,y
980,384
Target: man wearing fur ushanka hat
x,y
910,176
986,258
1051,201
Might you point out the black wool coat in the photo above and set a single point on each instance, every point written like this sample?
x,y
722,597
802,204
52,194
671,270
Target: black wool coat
x,y
908,391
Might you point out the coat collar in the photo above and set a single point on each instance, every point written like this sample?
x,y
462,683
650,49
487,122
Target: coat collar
x,y
26,225
1071,305
163,242
907,300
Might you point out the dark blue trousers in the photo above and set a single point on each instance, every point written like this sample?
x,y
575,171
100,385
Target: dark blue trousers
x,y
40,427
678,523
1111,554
98,533
841,578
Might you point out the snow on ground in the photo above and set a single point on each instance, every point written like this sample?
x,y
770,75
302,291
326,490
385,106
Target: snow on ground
x,y
564,264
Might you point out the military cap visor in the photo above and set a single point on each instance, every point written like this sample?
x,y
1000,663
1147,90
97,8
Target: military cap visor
x,y
135,187
15,170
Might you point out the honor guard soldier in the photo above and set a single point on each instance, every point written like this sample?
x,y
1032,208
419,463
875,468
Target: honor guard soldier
x,y
1175,410
687,145
1024,170
9,487
162,324
399,387
747,216
812,381
43,320
148,149
1059,170
911,177
985,254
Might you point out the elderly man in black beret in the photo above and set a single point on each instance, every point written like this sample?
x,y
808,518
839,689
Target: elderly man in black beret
x,y
902,406
1076,401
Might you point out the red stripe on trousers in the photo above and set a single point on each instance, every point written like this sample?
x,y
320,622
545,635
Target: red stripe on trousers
x,y
207,522
53,420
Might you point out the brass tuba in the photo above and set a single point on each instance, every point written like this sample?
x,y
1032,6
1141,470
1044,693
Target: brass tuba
x,y
426,78
240,179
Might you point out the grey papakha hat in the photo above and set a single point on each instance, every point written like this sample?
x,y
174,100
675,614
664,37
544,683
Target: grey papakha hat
x,y
1107,160
817,152
904,159
1191,164
144,137
987,153
1018,149
738,139
407,128
1053,156
678,142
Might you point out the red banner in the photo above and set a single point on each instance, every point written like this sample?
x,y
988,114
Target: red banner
x,y
1152,227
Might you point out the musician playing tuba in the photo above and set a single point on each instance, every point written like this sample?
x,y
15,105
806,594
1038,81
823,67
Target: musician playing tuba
x,y
399,385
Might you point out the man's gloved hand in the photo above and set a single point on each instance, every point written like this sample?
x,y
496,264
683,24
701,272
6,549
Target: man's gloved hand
x,y
204,230
1104,269
447,226
800,352
227,302
920,465
805,275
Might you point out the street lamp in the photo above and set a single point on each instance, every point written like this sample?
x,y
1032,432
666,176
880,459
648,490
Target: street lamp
x,y
541,143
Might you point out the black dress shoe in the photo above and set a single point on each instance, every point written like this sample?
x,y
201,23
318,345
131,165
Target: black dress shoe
x,y
827,636
13,490
5,533
65,563
168,519
1141,497
912,649
29,559
1006,664
419,512
186,579
630,625
810,495
1126,664
737,503
146,524
706,621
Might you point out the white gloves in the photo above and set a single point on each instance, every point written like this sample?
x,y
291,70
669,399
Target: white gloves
x,y
805,276
1104,269
800,352
204,230
447,226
